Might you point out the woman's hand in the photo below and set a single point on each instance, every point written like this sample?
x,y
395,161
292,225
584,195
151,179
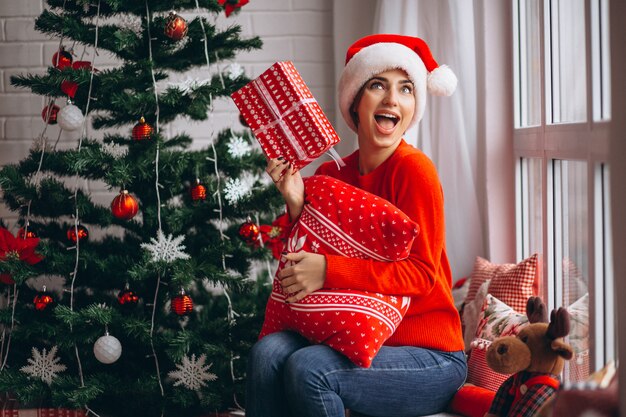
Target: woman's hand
x,y
306,274
289,182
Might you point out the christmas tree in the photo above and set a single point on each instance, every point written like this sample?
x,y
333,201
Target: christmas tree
x,y
159,300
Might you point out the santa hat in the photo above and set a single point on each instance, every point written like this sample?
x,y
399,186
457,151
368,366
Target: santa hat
x,y
374,54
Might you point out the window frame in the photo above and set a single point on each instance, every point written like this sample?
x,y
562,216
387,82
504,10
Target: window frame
x,y
587,141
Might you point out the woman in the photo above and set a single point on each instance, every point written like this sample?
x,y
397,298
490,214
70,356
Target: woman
x,y
382,92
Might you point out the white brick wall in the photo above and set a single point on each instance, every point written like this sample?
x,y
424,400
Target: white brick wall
x,y
295,30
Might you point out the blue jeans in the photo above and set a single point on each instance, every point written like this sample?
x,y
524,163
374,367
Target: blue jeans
x,y
289,377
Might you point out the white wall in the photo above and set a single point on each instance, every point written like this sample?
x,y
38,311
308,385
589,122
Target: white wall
x,y
297,30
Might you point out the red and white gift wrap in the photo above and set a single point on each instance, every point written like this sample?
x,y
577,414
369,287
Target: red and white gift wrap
x,y
285,117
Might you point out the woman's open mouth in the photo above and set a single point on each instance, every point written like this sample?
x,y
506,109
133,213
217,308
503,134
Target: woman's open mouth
x,y
386,122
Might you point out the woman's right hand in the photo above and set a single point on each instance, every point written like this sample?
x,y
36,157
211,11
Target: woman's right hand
x,y
289,182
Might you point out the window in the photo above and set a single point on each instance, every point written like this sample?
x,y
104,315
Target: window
x,y
562,106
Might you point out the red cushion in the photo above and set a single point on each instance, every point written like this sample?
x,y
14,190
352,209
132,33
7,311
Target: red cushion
x,y
340,219
513,284
472,401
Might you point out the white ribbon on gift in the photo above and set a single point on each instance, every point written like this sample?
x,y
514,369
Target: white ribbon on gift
x,y
268,99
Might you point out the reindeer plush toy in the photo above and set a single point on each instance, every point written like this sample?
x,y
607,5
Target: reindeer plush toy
x,y
535,357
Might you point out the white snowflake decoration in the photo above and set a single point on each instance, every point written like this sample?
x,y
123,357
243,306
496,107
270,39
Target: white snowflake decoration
x,y
193,373
166,248
236,189
44,365
238,147
114,149
189,84
234,70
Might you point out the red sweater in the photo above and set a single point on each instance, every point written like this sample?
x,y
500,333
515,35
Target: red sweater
x,y
409,180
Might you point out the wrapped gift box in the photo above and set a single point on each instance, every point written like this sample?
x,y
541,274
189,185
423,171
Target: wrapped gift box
x,y
285,117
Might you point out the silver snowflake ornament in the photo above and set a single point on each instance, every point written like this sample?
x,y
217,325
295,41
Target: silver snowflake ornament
x,y
44,365
193,373
234,70
236,189
115,150
166,248
189,84
238,147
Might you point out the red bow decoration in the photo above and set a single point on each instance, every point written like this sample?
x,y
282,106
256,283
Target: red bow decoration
x,y
12,247
275,235
69,88
231,5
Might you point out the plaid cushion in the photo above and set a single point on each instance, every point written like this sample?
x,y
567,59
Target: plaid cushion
x,y
511,283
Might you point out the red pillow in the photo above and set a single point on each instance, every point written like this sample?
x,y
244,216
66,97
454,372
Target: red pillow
x,y
340,219
472,401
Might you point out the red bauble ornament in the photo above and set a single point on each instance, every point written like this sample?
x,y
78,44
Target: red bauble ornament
x,y
43,301
249,231
6,279
198,191
242,120
62,59
83,233
182,304
24,234
142,130
124,206
82,65
127,297
49,114
176,27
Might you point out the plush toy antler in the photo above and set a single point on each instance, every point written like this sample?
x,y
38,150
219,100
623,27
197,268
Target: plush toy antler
x,y
535,357
559,324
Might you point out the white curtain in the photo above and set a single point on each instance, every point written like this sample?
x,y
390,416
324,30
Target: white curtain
x,y
447,133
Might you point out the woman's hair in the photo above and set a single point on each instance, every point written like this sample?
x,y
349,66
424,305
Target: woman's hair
x,y
355,104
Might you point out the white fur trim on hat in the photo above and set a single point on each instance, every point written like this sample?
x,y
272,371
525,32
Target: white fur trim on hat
x,y
373,60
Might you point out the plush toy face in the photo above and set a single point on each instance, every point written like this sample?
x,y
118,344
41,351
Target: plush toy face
x,y
539,347
508,355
